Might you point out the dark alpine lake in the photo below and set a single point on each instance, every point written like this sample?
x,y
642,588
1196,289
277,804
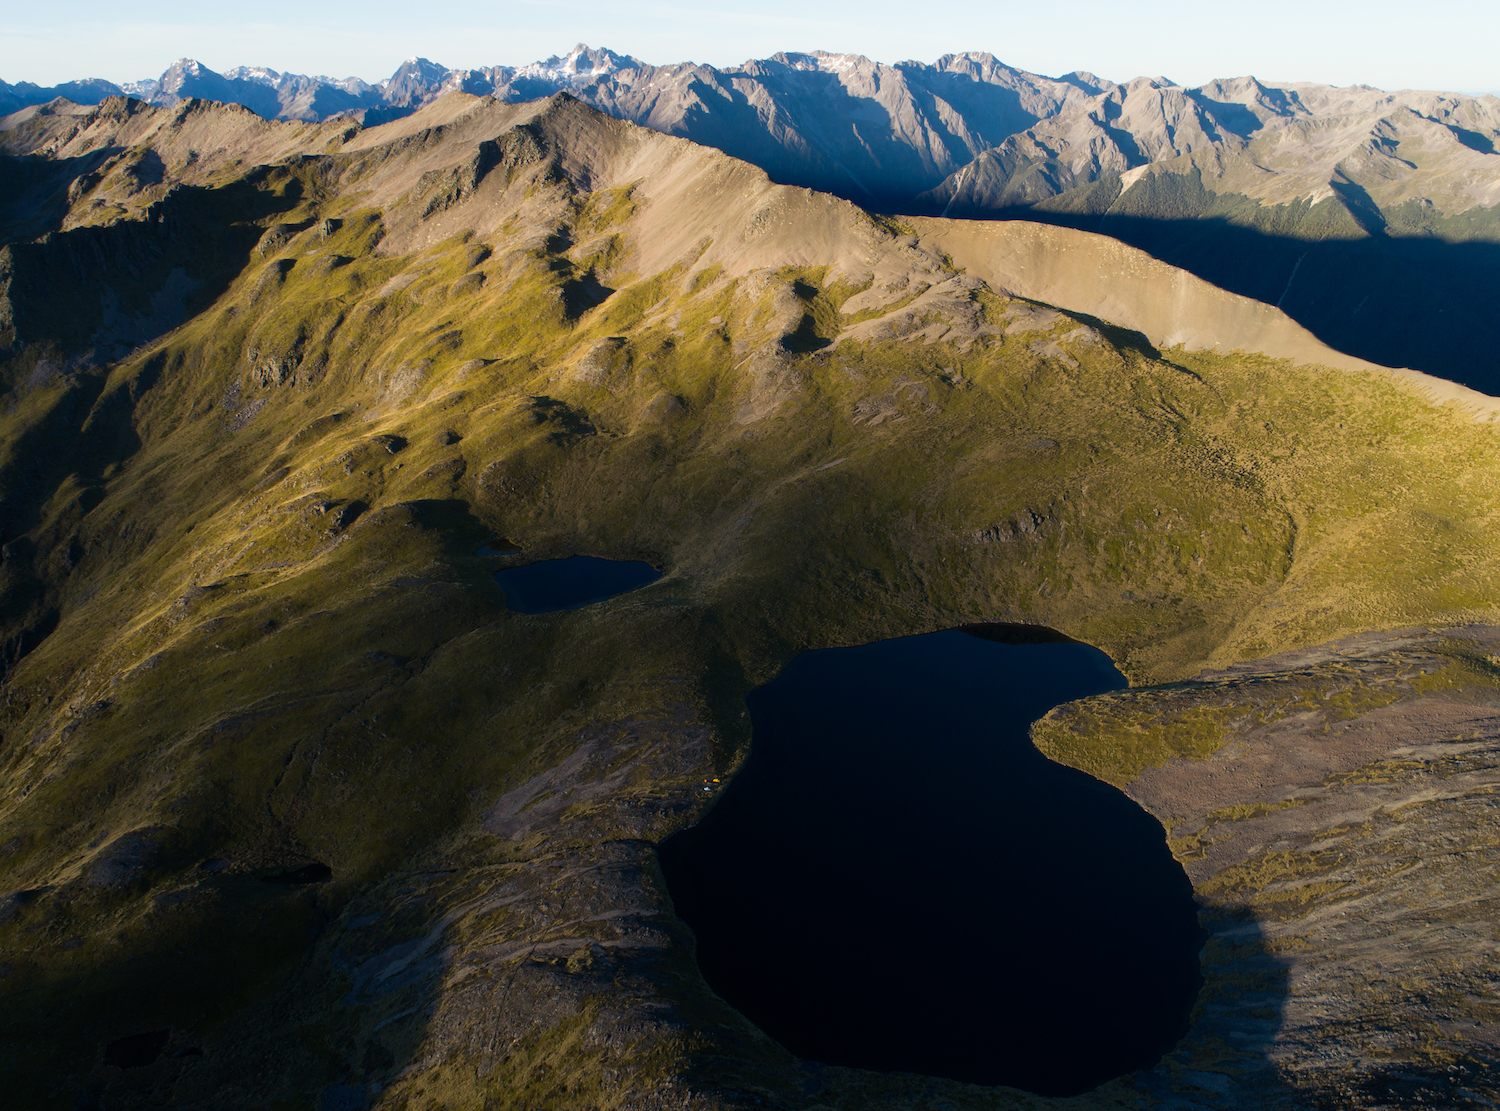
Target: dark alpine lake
x,y
572,583
898,880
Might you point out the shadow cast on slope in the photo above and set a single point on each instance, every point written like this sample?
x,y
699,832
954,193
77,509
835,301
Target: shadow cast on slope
x,y
1225,1058
36,190
106,289
239,990
87,431
1400,301
1427,304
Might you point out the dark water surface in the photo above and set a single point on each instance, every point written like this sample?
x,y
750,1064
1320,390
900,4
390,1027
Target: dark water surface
x,y
898,880
572,583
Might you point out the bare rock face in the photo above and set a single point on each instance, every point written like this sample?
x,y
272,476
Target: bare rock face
x,y
1335,810
603,360
772,380
1028,524
123,860
980,135
1309,137
275,238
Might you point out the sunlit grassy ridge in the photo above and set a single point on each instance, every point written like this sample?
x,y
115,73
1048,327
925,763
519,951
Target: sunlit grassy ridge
x,y
242,559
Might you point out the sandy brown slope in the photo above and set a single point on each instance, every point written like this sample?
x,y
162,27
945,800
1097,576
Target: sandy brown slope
x,y
115,159
1103,277
248,632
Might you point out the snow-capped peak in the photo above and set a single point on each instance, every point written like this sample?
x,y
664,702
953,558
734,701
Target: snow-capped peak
x,y
821,61
838,63
258,74
580,63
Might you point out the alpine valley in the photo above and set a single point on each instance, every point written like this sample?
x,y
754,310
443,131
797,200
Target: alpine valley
x,y
298,812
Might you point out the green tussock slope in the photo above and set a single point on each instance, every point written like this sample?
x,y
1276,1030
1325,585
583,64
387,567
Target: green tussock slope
x,y
248,629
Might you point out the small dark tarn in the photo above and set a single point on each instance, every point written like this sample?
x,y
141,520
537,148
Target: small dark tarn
x,y
898,880
572,583
498,546
136,1051
316,872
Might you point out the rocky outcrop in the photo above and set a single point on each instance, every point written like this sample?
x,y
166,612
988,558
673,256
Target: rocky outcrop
x,y
1334,808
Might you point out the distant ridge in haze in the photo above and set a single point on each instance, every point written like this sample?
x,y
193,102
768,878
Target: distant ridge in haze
x,y
1366,215
876,132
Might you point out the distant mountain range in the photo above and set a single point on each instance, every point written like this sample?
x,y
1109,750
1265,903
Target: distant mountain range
x,y
1337,204
969,132
836,122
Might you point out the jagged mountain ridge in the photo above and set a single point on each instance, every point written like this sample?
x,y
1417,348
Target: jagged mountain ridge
x,y
1276,145
968,133
836,122
1366,215
1370,217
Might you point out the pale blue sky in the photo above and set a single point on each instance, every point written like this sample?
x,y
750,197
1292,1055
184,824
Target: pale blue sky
x,y
1386,43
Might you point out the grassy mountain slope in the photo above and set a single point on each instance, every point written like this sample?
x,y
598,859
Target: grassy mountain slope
x,y
1365,214
262,414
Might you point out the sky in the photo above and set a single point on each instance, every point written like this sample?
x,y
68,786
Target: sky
x,y
1390,44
